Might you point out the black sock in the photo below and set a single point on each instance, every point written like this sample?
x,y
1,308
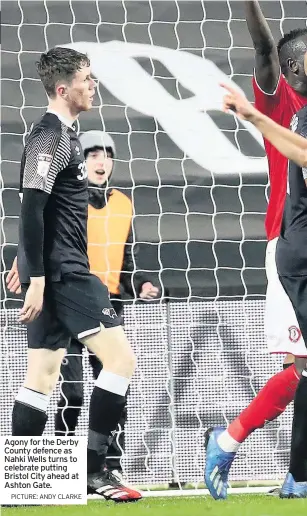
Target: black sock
x,y
66,420
298,460
117,446
105,411
29,413
27,420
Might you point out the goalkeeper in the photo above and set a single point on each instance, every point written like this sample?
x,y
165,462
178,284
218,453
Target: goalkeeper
x,y
280,88
110,245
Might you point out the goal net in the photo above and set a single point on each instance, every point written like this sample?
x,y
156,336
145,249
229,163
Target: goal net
x,y
198,181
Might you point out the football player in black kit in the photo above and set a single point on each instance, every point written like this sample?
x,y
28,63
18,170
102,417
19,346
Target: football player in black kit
x,y
61,298
291,259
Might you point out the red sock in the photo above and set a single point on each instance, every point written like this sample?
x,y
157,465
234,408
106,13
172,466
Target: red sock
x,y
269,403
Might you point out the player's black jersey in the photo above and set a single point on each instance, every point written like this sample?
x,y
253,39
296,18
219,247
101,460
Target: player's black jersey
x,y
291,257
53,163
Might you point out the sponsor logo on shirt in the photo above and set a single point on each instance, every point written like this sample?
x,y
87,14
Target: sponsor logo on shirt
x,y
43,164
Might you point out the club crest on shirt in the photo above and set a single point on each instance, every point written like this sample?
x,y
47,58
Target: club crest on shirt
x,y
110,312
294,334
294,123
43,164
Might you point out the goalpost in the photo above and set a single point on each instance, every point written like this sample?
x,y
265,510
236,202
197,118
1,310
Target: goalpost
x,y
199,209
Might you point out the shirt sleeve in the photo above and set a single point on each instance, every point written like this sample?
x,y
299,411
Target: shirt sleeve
x,y
46,154
32,215
267,102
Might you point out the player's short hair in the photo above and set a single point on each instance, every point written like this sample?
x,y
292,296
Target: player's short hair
x,y
59,64
287,48
109,150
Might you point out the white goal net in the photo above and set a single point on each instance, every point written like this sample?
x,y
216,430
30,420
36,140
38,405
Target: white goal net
x,y
199,186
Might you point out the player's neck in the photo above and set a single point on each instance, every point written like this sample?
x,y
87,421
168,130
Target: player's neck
x,y
299,87
63,112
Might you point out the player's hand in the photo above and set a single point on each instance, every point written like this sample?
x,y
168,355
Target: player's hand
x,y
12,279
34,299
236,102
148,291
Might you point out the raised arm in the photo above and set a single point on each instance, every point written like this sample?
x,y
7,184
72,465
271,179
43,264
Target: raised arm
x,y
292,145
267,69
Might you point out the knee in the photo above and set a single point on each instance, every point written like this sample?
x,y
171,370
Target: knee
x,y
96,365
43,382
133,361
130,361
123,365
128,356
114,351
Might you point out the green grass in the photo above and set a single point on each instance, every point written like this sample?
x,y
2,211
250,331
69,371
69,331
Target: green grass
x,y
236,505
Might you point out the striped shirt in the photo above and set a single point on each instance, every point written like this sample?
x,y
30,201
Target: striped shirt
x,y
53,181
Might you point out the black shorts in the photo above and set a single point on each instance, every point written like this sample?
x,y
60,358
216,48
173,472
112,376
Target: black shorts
x,y
76,307
296,290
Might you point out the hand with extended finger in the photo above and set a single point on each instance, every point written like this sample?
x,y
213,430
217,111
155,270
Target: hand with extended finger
x,y
238,103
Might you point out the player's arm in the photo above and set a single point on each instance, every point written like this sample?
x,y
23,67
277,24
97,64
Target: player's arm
x,y
43,162
143,286
290,144
32,214
267,69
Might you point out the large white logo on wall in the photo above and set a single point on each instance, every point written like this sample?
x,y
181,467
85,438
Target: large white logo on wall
x,y
185,121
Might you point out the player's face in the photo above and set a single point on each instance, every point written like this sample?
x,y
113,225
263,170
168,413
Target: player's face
x,y
99,166
299,80
81,90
